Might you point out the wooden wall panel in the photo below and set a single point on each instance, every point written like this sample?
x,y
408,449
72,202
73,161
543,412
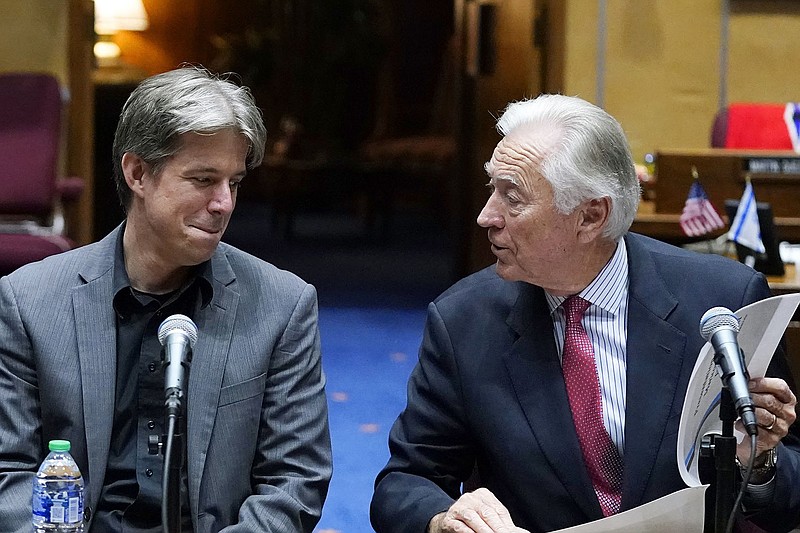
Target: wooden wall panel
x,y
516,76
662,78
33,36
765,39
80,127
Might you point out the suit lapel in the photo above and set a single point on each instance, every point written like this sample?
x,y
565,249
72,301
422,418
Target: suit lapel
x,y
95,327
535,371
215,331
655,353
95,331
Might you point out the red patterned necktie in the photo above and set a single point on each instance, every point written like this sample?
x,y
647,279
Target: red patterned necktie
x,y
583,390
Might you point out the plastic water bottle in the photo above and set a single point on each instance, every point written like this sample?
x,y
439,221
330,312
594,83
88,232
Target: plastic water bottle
x,y
58,492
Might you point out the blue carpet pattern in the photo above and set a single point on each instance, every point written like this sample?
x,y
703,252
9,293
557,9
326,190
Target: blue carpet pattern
x,y
368,354
372,296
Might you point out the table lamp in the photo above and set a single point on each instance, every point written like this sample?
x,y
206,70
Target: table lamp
x,y
110,17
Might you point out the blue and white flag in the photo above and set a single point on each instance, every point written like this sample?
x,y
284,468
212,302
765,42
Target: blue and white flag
x,y
745,228
792,117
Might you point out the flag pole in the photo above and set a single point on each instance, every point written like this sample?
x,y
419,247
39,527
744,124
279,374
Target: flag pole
x,y
696,177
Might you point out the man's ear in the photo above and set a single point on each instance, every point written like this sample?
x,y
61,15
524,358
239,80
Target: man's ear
x,y
133,168
593,218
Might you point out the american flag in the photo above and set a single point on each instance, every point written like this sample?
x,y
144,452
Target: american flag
x,y
699,216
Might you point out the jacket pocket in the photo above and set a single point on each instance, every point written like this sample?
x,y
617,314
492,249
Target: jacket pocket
x,y
242,391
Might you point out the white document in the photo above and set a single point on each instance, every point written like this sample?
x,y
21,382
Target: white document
x,y
682,511
761,327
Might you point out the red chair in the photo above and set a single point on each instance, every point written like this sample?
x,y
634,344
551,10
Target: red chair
x,y
761,126
31,191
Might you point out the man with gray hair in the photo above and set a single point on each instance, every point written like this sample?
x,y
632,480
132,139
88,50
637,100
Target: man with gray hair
x,y
80,358
552,383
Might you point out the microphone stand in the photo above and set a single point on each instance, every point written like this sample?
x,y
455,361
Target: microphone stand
x,y
177,334
722,448
173,466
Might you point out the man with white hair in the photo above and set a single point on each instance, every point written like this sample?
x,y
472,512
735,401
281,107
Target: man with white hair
x,y
558,375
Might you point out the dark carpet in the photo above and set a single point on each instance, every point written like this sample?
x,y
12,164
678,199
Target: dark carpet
x,y
373,287
368,355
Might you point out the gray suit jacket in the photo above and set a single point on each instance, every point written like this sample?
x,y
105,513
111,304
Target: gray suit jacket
x,y
258,444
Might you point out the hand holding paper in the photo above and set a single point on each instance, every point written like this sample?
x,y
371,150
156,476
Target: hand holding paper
x,y
761,327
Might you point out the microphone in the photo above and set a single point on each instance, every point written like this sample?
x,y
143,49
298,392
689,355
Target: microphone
x,y
177,334
720,327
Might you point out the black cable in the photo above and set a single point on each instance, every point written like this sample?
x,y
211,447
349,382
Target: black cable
x,y
743,486
165,481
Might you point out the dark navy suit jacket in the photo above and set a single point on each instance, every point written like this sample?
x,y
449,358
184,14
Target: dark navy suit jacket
x,y
488,391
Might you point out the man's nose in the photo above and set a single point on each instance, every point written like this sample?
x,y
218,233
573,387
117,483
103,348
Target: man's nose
x,y
223,199
490,214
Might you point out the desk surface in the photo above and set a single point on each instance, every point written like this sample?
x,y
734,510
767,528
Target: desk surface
x,y
666,227
788,283
775,177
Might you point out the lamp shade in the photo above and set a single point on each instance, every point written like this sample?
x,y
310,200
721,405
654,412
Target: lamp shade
x,y
111,16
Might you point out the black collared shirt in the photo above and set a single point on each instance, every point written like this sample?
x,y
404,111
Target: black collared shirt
x,y
131,496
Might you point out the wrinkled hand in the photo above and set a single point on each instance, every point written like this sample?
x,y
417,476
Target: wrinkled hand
x,y
775,412
478,512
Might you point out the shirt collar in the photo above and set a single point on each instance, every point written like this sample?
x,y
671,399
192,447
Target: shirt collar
x,y
608,288
202,276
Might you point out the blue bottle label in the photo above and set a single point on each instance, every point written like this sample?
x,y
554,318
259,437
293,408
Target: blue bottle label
x,y
60,507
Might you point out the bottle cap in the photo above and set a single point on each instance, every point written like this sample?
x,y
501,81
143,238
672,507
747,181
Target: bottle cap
x,y
59,445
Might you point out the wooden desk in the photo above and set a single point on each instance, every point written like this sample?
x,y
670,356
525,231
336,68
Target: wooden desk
x,y
666,227
775,177
787,284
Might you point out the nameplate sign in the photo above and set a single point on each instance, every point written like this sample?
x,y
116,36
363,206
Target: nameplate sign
x,y
772,165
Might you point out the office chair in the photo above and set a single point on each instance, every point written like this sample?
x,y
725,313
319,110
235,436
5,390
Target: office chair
x,y
31,191
761,126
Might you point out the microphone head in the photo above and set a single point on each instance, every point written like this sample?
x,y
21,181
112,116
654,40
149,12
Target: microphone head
x,y
716,318
180,323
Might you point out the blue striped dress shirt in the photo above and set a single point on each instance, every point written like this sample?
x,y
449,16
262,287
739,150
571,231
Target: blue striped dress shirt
x,y
606,323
